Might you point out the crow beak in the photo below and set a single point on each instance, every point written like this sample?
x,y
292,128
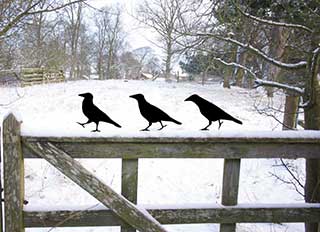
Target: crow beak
x,y
81,95
188,99
133,96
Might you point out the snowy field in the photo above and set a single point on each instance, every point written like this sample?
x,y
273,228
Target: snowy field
x,y
53,110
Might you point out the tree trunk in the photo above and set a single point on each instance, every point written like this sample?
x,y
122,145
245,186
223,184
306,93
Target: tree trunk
x,y
290,112
226,78
240,71
39,40
312,122
168,61
279,37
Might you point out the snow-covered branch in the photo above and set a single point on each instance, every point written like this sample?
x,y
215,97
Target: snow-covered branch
x,y
273,23
235,65
299,65
260,82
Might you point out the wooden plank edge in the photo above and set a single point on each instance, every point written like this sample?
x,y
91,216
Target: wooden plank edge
x,y
230,214
181,150
263,140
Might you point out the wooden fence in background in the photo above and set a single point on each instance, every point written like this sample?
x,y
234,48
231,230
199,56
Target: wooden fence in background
x,y
61,152
34,76
31,76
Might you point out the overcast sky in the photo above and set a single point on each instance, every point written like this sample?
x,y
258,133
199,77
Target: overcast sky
x,y
138,35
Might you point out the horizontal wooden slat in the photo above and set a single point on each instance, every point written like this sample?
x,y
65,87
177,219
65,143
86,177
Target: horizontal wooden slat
x,y
301,137
32,76
229,148
232,214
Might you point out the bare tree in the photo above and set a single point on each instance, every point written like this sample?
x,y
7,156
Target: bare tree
x,y
163,16
74,22
148,61
35,38
109,41
130,65
13,13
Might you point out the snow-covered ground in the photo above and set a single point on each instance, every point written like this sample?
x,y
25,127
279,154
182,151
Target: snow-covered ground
x,y
53,110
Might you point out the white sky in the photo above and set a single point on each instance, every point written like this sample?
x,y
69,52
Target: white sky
x,y
138,35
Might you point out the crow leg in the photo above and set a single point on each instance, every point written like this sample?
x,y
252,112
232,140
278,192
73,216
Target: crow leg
x,y
96,130
146,129
82,124
206,128
162,126
220,123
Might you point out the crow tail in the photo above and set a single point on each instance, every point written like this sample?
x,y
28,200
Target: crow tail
x,y
237,121
175,121
115,124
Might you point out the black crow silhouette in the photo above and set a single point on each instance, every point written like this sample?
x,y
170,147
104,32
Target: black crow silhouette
x,y
211,111
93,113
152,113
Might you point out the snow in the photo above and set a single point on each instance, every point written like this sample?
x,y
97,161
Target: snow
x,y
298,65
54,109
99,207
275,23
279,85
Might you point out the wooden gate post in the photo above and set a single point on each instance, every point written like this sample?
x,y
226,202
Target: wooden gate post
x,y
230,186
129,185
13,175
1,189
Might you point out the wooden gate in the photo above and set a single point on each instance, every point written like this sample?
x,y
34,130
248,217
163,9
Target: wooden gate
x,y
122,210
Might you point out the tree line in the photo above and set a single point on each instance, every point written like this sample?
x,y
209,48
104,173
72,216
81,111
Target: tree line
x,y
73,36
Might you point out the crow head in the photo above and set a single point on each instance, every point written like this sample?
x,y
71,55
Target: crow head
x,y
138,97
86,95
193,98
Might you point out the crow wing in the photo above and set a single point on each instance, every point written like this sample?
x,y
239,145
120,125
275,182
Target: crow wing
x,y
153,113
213,112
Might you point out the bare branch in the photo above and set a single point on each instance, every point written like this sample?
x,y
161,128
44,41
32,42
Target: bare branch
x,y
291,174
273,23
299,65
56,8
29,11
289,183
294,89
235,65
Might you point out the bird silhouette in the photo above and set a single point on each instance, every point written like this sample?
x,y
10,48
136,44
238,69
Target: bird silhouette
x,y
152,113
211,111
93,113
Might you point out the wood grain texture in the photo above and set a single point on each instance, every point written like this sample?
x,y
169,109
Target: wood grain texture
x,y
230,188
13,175
134,148
129,185
1,195
180,215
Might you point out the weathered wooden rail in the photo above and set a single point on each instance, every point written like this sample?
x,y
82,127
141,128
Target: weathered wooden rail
x,y
60,151
34,76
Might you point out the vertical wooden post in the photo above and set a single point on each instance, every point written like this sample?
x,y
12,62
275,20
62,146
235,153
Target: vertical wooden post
x,y
230,187
13,175
129,184
1,189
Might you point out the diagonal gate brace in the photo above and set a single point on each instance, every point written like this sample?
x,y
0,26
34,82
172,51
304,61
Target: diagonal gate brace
x,y
139,219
